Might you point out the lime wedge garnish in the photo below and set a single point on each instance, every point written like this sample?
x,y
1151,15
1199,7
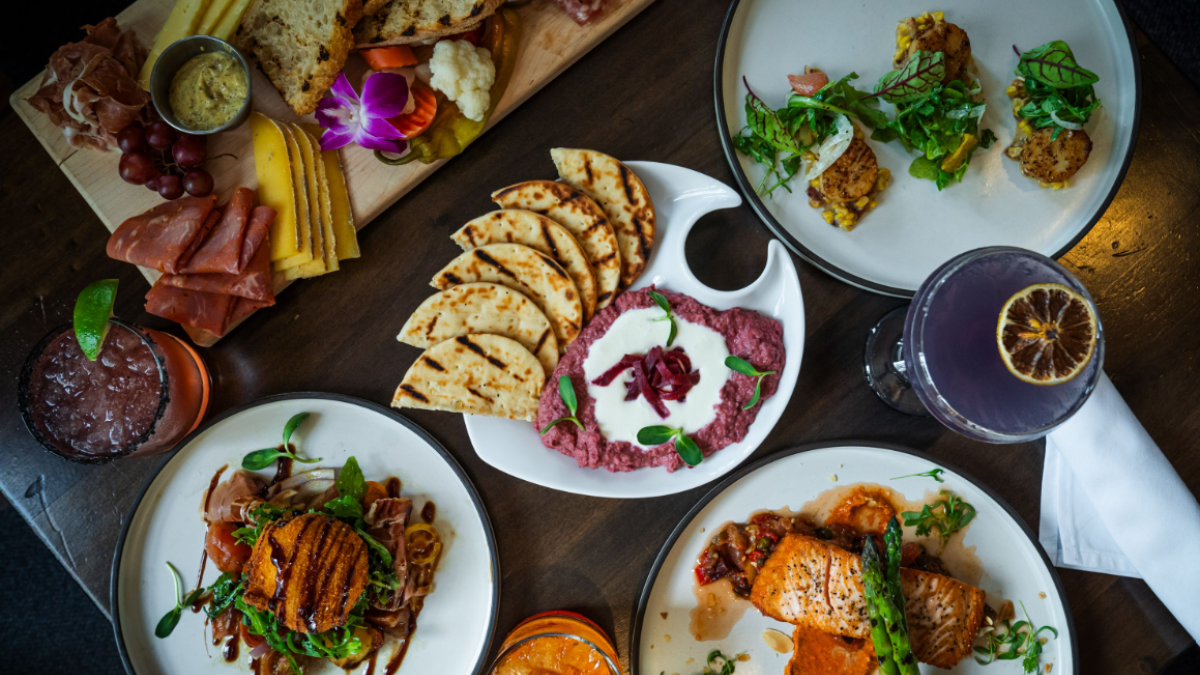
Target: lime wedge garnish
x,y
93,309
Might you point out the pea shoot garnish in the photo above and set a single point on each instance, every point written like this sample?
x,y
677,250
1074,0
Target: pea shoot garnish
x,y
171,618
935,474
740,365
948,515
666,307
566,391
1019,640
688,451
261,459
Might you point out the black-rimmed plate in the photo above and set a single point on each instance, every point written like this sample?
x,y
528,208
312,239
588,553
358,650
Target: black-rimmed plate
x,y
915,228
456,624
1014,567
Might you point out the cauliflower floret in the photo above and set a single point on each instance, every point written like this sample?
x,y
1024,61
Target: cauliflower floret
x,y
465,74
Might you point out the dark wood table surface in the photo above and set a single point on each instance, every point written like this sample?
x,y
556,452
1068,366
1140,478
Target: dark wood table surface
x,y
646,93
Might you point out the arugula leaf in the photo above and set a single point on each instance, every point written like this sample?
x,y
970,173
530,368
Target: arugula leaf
x,y
350,480
764,122
345,506
949,515
566,391
1051,107
740,365
1054,64
919,74
384,555
224,591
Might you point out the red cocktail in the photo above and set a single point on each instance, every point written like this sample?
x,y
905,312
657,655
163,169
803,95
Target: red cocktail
x,y
142,395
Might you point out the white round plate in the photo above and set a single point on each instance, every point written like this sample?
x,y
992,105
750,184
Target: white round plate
x,y
681,196
1014,566
915,228
454,630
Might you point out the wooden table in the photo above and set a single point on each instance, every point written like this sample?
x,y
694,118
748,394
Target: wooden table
x,y
646,93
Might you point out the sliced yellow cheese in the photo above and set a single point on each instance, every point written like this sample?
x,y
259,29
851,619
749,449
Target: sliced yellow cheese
x,y
276,185
310,133
230,20
212,16
182,22
343,216
303,223
317,266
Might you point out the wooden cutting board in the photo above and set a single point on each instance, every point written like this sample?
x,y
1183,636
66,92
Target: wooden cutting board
x,y
550,42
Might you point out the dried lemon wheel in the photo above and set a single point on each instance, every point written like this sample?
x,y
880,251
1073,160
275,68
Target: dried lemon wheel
x,y
1047,334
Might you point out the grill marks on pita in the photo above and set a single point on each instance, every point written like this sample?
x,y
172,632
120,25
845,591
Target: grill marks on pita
x,y
476,374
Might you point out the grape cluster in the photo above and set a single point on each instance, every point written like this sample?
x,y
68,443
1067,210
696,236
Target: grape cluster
x,y
164,161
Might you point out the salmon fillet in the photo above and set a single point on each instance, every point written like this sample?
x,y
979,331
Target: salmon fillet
x,y
808,582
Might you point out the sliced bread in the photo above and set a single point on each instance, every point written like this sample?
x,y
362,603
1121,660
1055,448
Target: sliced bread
x,y
413,21
300,45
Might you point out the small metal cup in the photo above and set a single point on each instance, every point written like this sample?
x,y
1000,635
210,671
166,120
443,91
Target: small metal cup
x,y
169,63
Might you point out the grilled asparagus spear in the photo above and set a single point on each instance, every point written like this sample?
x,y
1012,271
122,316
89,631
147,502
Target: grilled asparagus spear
x,y
892,541
879,636
893,617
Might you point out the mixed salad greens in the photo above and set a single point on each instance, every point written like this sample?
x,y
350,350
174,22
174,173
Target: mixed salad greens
x,y
1057,90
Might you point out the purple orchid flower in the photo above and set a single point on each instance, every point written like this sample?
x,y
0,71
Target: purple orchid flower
x,y
349,118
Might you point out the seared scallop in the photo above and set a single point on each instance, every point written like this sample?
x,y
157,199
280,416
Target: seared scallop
x,y
1053,161
950,40
852,176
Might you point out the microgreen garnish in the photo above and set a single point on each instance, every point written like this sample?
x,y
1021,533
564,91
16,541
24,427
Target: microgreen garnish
x,y
688,451
740,365
1019,640
935,474
914,79
666,307
948,515
718,664
224,592
566,391
1059,90
261,459
171,618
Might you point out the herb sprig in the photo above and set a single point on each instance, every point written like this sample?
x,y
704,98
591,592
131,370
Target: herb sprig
x,y
666,307
688,451
740,365
1059,90
261,459
1019,640
935,474
566,391
171,618
949,515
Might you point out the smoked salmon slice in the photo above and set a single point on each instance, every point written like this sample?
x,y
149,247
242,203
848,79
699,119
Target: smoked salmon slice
x,y
812,583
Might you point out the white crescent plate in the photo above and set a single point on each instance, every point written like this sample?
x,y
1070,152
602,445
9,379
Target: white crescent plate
x,y
915,228
681,196
1014,565
455,627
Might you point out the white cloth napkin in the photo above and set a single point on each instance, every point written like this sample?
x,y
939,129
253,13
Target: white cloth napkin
x,y
1112,503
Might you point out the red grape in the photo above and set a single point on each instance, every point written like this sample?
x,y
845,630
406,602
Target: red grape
x,y
136,168
189,150
170,187
160,135
132,139
198,183
152,184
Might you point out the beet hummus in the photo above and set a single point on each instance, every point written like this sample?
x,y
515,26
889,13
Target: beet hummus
x,y
756,338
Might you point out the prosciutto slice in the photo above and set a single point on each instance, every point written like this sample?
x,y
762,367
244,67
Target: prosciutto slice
x,y
205,311
90,87
164,237
221,252
232,499
388,518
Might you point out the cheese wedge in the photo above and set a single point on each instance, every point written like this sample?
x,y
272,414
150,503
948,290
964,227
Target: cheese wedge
x,y
212,16
230,19
343,216
318,265
276,185
326,204
303,217
181,22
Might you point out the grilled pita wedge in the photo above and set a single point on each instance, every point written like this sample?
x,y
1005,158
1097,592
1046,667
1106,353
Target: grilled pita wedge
x,y
514,226
475,374
621,194
582,217
482,308
401,22
526,271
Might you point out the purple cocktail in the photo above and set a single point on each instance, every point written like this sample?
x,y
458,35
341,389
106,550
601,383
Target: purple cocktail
x,y
949,362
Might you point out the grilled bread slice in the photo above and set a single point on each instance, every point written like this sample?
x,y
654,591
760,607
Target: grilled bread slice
x,y
621,194
475,374
400,22
582,217
300,45
515,226
526,271
482,308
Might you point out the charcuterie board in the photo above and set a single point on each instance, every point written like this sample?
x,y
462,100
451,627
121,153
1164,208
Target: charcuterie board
x,y
550,42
